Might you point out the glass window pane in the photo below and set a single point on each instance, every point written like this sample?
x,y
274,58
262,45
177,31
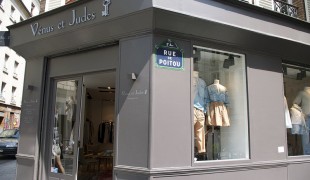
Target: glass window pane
x,y
63,152
297,108
220,105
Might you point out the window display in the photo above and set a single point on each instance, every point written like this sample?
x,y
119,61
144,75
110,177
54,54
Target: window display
x,y
64,125
297,92
219,105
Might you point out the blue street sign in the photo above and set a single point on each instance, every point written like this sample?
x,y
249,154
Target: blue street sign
x,y
169,55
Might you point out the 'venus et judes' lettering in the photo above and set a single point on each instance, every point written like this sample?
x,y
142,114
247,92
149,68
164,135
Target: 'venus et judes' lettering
x,y
37,29
81,19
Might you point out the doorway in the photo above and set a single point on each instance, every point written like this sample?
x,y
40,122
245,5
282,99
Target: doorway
x,y
83,127
96,153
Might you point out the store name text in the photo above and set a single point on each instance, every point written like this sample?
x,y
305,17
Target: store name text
x,y
76,18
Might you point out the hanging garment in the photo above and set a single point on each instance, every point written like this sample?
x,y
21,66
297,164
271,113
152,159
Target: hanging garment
x,y
200,91
111,134
288,121
101,132
298,120
305,137
199,130
218,115
88,132
217,101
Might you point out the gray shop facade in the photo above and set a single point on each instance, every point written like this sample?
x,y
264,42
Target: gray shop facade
x,y
163,90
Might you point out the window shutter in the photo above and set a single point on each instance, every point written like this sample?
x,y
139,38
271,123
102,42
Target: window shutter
x,y
52,4
266,4
307,8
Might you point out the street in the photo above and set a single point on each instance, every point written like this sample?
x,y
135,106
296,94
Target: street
x,y
7,168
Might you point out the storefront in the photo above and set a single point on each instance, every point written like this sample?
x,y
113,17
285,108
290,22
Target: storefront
x,y
163,90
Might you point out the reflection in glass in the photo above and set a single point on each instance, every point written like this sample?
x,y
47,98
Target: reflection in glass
x,y
63,152
219,105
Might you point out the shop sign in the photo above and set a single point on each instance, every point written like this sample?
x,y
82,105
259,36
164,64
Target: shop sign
x,y
76,18
169,55
4,38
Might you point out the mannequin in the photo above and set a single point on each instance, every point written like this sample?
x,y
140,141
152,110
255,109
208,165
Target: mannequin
x,y
199,112
217,101
303,99
70,112
298,119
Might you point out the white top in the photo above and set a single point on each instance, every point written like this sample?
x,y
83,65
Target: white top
x,y
288,121
296,115
303,100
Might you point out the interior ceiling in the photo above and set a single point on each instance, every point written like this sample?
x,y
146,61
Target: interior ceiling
x,y
92,82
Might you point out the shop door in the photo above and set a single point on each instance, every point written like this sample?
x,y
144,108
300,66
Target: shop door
x,y
65,123
66,153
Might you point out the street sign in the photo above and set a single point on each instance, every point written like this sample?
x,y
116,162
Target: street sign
x,y
169,55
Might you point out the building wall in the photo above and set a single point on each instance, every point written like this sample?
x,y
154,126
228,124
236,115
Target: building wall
x,y
153,136
10,74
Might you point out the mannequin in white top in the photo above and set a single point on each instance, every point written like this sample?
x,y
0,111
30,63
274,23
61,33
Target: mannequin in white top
x,y
217,101
220,87
303,99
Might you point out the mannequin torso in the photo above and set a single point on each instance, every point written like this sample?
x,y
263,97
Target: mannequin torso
x,y
303,99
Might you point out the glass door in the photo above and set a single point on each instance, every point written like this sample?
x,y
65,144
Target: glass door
x,y
65,123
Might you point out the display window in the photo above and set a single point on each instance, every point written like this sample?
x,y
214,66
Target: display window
x,y
297,108
62,159
220,111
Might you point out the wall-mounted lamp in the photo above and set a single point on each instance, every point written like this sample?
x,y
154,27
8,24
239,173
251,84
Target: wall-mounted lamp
x,y
301,75
194,50
230,61
133,76
284,69
30,87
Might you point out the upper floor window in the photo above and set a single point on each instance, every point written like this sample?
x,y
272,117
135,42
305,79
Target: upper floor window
x,y
297,108
13,101
220,113
13,91
16,64
286,7
12,11
3,84
32,9
6,59
1,6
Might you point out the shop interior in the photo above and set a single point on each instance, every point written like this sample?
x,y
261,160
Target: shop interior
x,y
96,158
94,153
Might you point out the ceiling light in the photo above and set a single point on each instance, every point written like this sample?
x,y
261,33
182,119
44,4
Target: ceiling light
x,y
230,61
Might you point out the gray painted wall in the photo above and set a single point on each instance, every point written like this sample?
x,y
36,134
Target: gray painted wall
x,y
84,62
28,153
171,112
266,108
265,174
244,19
133,103
299,171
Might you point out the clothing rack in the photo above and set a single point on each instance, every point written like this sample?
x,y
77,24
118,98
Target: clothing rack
x,y
106,130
